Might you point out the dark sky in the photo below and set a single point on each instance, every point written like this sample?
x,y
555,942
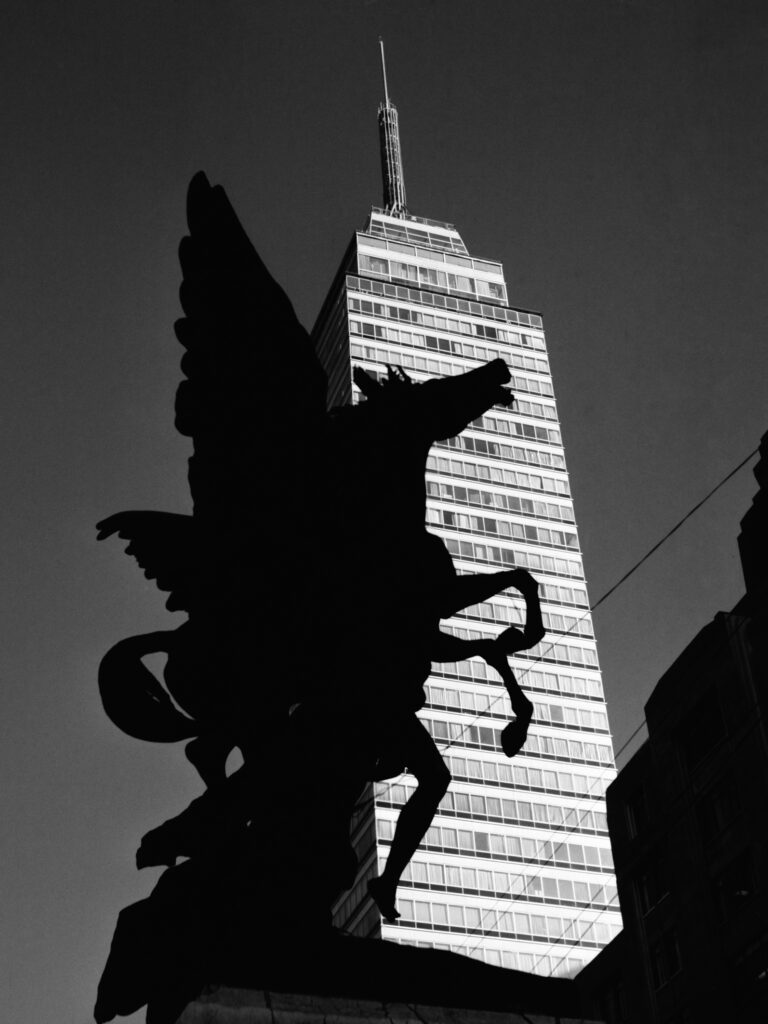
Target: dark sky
x,y
612,154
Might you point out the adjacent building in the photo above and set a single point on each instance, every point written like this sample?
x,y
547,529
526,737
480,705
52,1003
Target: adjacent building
x,y
517,868
687,818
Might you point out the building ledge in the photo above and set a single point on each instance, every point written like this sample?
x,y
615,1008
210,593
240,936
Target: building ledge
x,y
333,969
251,1006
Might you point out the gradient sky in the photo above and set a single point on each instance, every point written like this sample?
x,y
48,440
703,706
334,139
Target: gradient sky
x,y
612,154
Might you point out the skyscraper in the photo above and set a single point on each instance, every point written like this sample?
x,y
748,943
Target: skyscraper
x,y
517,866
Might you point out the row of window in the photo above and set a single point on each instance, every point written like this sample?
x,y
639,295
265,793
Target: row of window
x,y
506,452
408,362
431,277
547,651
498,475
514,428
506,924
503,773
447,302
535,678
505,614
484,882
538,410
560,715
512,503
535,888
523,777
485,266
488,738
454,346
504,809
547,966
557,594
537,780
477,353
405,232
428,277
476,843
491,554
451,346
529,384
489,527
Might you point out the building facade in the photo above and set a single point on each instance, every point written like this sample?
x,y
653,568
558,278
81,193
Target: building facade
x,y
517,867
687,820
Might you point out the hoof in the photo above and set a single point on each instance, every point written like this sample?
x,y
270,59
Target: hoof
x,y
384,899
513,737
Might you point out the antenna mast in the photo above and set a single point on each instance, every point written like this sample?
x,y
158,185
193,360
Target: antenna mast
x,y
391,157
384,71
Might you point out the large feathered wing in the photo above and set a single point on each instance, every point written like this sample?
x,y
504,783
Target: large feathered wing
x,y
254,386
163,544
253,401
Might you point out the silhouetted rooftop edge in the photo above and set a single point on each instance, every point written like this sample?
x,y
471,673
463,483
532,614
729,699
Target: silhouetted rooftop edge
x,y
340,965
227,1006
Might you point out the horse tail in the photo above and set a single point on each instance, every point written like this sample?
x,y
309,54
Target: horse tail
x,y
135,701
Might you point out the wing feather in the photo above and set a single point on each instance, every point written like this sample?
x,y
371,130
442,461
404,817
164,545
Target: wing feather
x,y
163,544
247,356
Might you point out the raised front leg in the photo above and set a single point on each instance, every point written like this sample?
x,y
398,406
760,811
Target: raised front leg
x,y
471,589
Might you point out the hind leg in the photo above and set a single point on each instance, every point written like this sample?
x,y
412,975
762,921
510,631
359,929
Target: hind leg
x,y
425,762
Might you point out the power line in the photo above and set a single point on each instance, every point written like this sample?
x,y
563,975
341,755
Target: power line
x,y
541,655
683,793
572,831
565,833
676,527
615,586
678,800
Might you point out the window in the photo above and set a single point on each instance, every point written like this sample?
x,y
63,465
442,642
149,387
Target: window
x,y
436,875
485,880
716,810
665,958
704,728
734,887
472,917
422,912
636,812
613,1004
419,872
374,264
651,885
440,914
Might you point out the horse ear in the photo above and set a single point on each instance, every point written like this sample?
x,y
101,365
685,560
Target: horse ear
x,y
367,384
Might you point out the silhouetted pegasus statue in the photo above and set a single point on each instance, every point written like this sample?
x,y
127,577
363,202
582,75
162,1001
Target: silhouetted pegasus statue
x,y
313,595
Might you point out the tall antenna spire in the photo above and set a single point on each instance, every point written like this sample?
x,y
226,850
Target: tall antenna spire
x,y
391,158
384,71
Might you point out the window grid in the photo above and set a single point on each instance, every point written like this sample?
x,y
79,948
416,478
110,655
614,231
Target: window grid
x,y
498,497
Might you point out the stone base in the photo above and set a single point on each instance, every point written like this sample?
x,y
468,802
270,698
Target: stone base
x,y
249,1006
